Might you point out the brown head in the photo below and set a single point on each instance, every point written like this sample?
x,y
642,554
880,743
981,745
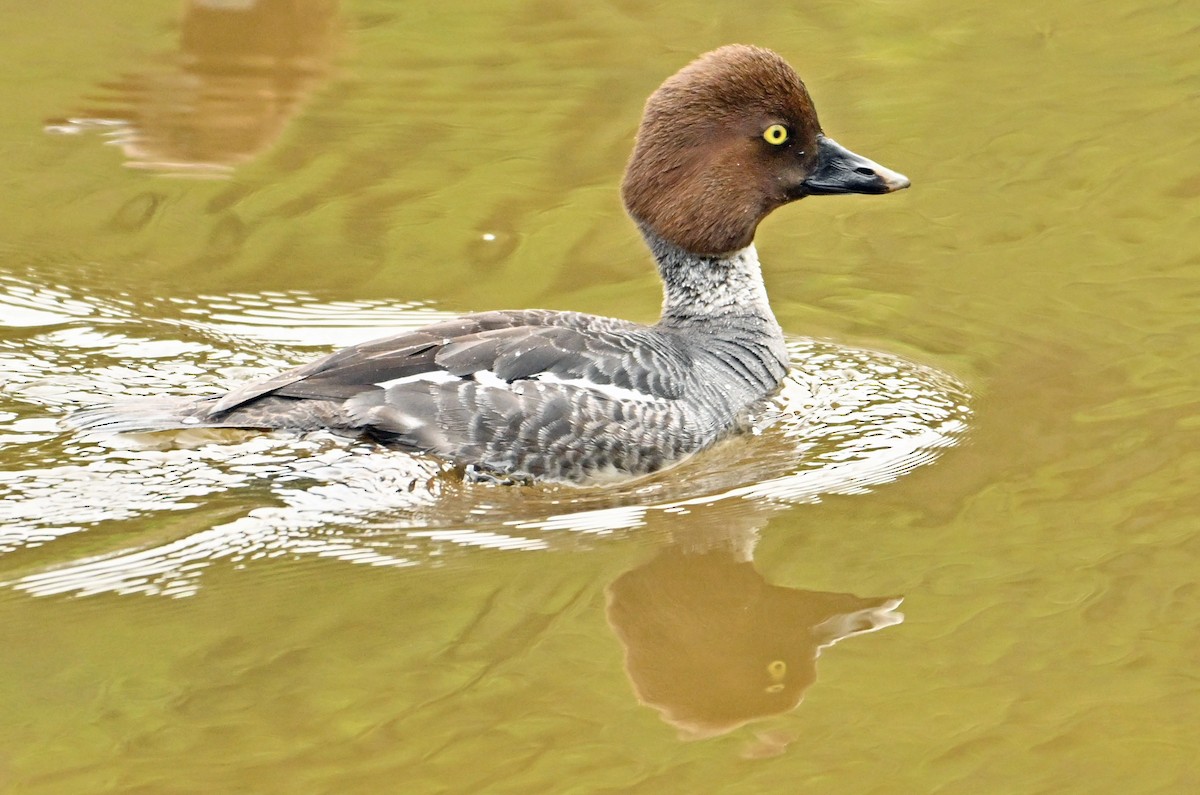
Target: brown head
x,y
726,140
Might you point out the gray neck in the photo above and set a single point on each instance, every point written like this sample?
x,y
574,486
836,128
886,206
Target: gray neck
x,y
715,291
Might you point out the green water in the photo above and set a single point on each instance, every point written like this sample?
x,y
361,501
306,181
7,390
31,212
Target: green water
x,y
190,202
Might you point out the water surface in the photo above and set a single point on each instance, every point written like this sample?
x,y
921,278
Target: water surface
x,y
958,555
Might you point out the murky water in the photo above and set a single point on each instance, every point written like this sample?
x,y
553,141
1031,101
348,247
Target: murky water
x,y
994,411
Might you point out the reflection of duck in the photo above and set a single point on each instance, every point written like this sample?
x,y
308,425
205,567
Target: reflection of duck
x,y
712,645
242,70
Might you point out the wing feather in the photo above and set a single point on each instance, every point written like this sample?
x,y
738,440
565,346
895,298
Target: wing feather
x,y
511,345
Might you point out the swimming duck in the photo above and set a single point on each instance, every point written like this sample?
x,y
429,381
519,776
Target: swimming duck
x,y
523,395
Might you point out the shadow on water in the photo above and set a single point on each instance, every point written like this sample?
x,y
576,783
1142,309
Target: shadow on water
x,y
241,73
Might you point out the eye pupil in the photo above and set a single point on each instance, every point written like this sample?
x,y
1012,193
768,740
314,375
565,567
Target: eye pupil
x,y
775,134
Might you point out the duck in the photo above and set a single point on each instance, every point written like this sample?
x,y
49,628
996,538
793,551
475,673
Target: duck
x,y
519,396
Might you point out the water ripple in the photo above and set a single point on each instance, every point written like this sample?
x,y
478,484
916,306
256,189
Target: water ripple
x,y
846,420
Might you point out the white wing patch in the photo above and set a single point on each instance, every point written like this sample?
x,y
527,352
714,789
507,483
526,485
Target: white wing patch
x,y
607,390
489,380
430,377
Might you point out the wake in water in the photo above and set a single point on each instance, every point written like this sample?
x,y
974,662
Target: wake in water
x,y
845,421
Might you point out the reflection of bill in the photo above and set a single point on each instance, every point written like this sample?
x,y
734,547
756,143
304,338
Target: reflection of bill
x,y
242,71
713,646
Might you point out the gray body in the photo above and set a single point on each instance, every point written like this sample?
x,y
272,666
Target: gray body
x,y
531,394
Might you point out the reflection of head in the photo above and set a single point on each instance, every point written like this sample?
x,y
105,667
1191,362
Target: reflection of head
x,y
242,69
712,646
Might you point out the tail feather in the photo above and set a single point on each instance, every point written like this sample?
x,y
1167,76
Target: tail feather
x,y
178,413
144,414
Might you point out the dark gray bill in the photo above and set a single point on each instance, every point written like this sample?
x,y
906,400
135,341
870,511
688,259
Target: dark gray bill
x,y
841,171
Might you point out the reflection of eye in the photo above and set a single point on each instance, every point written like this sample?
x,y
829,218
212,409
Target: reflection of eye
x,y
774,688
777,669
775,134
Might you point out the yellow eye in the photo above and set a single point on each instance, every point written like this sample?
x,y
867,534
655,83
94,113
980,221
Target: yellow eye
x,y
775,134
777,669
